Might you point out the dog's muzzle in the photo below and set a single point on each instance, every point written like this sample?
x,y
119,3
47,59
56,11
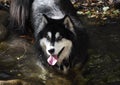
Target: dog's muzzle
x,y
52,60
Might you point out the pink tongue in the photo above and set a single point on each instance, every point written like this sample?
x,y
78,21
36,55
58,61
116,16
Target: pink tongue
x,y
52,60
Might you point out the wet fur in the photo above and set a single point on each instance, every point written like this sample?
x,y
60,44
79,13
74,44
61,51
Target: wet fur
x,y
24,12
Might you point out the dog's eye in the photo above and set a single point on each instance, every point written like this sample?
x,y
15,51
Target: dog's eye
x,y
59,38
48,38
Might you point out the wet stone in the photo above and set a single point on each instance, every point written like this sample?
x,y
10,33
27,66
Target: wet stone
x,y
3,32
4,17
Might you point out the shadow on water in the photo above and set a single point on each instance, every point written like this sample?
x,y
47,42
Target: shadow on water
x,y
18,61
103,67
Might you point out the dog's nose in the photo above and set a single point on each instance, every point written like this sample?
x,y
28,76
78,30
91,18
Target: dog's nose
x,y
51,51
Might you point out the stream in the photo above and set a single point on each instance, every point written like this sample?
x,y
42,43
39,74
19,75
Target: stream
x,y
18,59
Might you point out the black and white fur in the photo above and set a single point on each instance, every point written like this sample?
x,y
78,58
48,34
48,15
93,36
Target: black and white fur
x,y
52,20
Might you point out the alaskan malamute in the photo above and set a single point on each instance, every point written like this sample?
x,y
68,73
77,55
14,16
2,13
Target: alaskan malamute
x,y
60,38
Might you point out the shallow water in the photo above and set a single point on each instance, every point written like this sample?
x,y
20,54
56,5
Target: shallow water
x,y
102,68
18,60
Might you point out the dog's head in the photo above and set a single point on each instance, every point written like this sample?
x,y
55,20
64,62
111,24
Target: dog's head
x,y
56,39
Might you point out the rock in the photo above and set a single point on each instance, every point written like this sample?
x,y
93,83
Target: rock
x,y
14,82
18,61
4,17
3,32
58,81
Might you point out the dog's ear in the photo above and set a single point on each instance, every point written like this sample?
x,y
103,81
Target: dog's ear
x,y
68,23
44,19
43,22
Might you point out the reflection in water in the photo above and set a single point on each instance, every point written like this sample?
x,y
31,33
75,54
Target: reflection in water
x,y
18,61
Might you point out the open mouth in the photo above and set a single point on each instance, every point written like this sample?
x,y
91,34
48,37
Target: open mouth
x,y
52,60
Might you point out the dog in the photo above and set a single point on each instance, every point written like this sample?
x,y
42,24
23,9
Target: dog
x,y
60,38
